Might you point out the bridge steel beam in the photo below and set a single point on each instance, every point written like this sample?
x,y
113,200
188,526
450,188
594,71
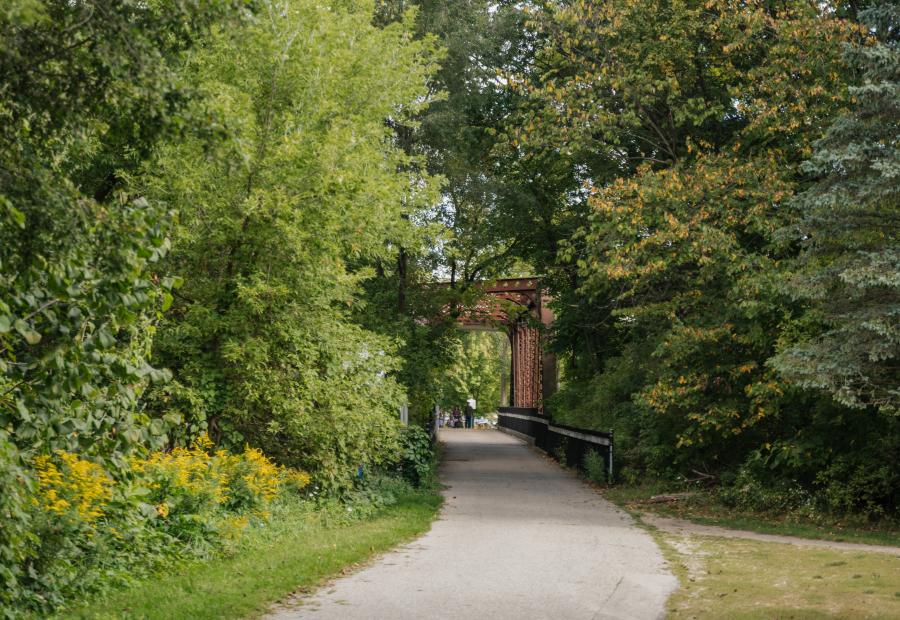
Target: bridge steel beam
x,y
520,305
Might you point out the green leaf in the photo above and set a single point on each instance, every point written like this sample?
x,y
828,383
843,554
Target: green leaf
x,y
31,336
18,217
106,339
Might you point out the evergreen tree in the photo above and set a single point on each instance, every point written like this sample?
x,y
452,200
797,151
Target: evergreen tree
x,y
850,231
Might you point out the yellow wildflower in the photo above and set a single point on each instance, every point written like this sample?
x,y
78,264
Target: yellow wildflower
x,y
233,527
76,483
203,442
296,478
162,510
263,480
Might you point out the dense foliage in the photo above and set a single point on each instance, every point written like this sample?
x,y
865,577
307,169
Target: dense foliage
x,y
277,221
86,91
258,221
687,265
203,184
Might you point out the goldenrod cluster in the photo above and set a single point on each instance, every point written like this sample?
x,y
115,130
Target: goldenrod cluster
x,y
295,478
74,483
263,478
194,480
189,471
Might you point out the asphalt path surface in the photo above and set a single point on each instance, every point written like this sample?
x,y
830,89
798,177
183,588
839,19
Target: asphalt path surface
x,y
518,537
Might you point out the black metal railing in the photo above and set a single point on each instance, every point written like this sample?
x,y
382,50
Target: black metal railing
x,y
565,443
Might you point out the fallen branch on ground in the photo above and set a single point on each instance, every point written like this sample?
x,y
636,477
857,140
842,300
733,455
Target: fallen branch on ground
x,y
668,498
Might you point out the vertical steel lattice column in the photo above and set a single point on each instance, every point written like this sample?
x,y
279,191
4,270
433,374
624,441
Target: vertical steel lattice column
x,y
526,341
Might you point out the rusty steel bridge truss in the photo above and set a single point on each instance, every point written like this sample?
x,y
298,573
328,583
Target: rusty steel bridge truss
x,y
519,307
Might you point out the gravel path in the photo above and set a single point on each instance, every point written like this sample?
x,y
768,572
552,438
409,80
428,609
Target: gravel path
x,y
682,528
518,537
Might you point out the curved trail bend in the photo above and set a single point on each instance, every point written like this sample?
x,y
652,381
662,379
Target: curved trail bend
x,y
518,537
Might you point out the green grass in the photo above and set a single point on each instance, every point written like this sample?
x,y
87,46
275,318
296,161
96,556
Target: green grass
x,y
703,508
741,579
296,551
744,579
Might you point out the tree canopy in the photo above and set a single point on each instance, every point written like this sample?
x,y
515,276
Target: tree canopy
x,y
254,224
276,225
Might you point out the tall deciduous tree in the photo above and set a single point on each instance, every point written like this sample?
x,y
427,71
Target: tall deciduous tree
x,y
87,89
303,183
686,123
467,234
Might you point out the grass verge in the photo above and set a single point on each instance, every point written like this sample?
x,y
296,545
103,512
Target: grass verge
x,y
746,580
703,508
298,549
749,580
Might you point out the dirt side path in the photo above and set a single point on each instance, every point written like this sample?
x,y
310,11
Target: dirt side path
x,y
682,527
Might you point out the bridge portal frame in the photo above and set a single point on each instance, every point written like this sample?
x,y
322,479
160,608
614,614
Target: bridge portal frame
x,y
519,306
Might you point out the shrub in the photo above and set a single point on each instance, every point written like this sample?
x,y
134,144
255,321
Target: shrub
x,y
370,496
78,529
751,491
417,455
862,487
595,466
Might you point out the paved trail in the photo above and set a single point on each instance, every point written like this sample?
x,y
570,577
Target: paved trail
x,y
518,538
